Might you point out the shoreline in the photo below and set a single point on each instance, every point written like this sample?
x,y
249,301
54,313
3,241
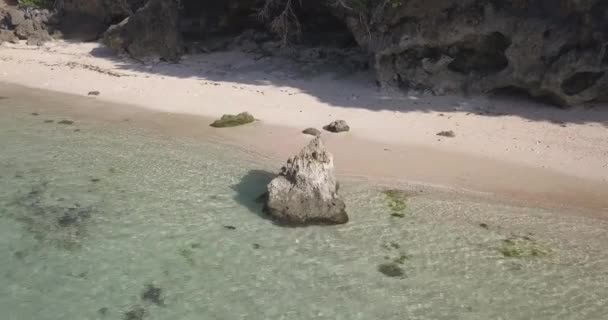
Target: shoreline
x,y
382,164
510,147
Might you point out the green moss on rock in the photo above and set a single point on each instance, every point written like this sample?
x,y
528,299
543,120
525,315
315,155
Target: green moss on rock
x,y
229,120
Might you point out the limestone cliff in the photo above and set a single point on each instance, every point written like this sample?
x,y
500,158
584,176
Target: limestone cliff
x,y
555,49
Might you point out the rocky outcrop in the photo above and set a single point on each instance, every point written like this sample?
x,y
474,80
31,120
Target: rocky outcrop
x,y
554,49
547,48
102,10
151,32
306,190
33,25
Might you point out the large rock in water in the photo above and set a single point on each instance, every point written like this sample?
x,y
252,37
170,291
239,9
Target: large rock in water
x,y
306,190
150,32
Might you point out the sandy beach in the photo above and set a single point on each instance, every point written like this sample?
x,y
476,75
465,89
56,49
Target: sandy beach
x,y
511,147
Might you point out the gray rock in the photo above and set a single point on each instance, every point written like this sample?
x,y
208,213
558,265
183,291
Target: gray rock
x,y
25,29
306,190
16,16
8,36
39,38
337,126
552,50
312,131
150,32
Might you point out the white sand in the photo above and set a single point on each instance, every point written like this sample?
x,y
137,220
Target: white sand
x,y
513,144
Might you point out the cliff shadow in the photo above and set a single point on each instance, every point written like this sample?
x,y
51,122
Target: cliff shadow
x,y
348,84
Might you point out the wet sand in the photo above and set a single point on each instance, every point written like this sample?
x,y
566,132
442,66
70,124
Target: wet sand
x,y
356,158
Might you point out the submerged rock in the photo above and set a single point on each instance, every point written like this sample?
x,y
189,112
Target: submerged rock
x,y
153,294
337,126
306,190
230,120
137,313
392,270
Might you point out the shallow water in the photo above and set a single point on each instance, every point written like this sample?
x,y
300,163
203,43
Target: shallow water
x,y
115,222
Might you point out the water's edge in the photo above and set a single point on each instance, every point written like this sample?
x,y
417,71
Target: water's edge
x,y
102,217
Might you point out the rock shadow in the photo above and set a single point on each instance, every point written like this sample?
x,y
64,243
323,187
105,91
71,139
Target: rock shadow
x,y
252,189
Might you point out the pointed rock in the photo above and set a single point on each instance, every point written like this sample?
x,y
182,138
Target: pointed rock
x,y
306,190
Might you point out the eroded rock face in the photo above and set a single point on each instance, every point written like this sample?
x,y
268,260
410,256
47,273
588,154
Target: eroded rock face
x,y
28,24
549,48
306,190
150,32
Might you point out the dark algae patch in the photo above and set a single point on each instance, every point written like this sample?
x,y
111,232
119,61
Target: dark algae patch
x,y
188,255
153,294
50,221
103,311
136,313
391,270
393,267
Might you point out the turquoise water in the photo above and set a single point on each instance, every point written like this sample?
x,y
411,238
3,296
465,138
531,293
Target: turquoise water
x,y
116,222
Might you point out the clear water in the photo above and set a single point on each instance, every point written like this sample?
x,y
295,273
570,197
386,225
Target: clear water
x,y
117,223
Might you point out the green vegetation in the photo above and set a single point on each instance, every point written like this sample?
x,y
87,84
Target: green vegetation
x,y
396,4
42,4
229,120
522,247
396,202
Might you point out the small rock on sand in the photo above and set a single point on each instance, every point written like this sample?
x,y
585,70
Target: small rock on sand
x,y
312,131
449,134
229,120
337,126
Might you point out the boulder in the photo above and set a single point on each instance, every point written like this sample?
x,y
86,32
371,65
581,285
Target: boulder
x,y
312,131
149,33
15,16
306,190
337,126
39,38
8,36
33,31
